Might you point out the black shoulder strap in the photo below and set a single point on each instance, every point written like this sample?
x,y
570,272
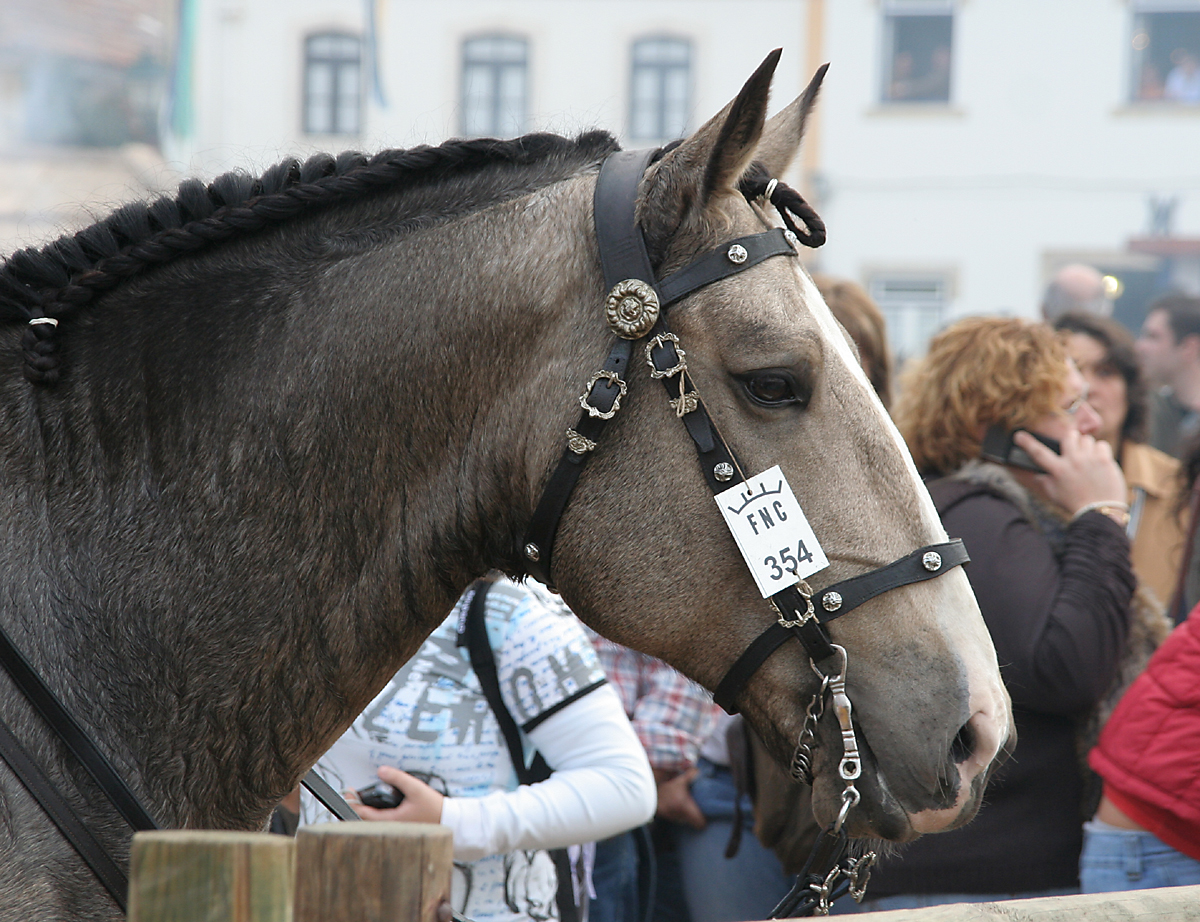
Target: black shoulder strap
x,y
483,662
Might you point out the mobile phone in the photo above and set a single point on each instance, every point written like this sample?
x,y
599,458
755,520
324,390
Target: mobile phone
x,y
380,795
998,446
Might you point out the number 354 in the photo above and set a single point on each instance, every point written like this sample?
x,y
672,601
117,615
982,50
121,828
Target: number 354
x,y
787,562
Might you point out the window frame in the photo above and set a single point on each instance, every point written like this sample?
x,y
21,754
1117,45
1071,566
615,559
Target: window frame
x,y
901,341
890,11
495,69
661,70
335,63
1137,56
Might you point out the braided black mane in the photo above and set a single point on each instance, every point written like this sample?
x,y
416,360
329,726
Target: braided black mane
x,y
50,284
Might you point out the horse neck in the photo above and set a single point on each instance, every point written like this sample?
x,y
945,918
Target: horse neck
x,y
299,514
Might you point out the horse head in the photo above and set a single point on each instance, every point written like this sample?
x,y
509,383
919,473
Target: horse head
x,y
783,386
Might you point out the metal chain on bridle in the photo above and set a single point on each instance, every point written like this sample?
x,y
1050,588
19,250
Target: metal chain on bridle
x,y
636,311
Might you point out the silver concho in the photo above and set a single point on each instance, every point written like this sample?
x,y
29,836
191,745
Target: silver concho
x,y
932,561
737,254
631,309
723,471
832,601
533,552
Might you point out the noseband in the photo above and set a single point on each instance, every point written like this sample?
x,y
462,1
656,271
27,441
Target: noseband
x,y
636,309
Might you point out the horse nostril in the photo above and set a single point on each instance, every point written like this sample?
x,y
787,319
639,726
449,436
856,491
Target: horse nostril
x,y
963,745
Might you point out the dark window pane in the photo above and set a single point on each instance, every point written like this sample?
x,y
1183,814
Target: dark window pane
x,y
917,68
1166,58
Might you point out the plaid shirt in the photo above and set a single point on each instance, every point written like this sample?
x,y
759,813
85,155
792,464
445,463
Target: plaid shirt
x,y
671,714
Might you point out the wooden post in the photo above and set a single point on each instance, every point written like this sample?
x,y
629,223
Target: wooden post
x,y
372,872
189,875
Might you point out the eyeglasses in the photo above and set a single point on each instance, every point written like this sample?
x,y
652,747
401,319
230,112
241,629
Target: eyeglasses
x,y
1073,407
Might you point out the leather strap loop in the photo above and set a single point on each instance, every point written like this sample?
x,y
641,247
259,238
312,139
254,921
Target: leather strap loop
x,y
622,249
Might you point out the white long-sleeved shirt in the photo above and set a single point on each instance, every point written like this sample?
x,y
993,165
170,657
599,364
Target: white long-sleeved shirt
x,y
434,722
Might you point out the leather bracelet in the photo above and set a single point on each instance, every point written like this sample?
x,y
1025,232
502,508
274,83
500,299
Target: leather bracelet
x,y
1114,509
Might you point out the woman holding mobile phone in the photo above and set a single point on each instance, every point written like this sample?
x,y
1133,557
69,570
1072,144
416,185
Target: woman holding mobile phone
x,y
1050,568
1103,350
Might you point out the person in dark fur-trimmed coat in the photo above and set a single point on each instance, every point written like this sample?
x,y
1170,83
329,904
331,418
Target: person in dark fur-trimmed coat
x,y
1050,567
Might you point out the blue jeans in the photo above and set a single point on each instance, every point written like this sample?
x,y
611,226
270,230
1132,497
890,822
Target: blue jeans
x,y
720,889
615,877
1125,859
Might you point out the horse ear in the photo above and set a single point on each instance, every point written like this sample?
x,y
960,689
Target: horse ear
x,y
710,162
782,135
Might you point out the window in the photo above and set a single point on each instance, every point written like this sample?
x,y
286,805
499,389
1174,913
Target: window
x,y
917,46
332,84
660,89
914,307
1166,54
493,88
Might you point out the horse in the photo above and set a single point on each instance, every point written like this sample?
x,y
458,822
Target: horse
x,y
256,438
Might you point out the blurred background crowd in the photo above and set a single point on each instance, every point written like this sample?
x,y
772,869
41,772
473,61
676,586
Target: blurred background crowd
x,y
1013,200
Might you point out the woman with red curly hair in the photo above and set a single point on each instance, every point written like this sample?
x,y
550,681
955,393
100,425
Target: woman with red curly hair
x,y
1050,568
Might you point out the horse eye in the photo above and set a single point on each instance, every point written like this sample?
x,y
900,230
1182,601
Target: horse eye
x,y
773,388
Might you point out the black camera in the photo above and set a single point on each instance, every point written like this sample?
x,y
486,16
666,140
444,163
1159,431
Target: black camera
x,y
380,795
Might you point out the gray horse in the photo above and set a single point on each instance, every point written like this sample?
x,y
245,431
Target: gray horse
x,y
282,423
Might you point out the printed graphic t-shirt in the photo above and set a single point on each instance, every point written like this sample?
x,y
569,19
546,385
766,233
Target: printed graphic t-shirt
x,y
433,721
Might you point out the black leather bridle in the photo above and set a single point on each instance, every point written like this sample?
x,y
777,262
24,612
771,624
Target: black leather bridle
x,y
636,310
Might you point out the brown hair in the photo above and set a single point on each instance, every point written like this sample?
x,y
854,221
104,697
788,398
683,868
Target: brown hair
x,y
863,320
978,372
1119,357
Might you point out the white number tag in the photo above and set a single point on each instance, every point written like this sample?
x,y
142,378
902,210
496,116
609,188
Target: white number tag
x,y
771,531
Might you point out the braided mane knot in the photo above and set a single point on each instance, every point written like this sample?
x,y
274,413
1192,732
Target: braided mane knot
x,y
788,202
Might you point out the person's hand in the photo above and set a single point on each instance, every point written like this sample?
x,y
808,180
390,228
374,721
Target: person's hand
x,y
1084,473
421,804
675,799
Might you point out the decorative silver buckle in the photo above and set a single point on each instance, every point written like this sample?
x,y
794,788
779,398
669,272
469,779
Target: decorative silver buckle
x,y
612,378
806,593
657,343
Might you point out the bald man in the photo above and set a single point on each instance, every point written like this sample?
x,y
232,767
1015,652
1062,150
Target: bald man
x,y
1076,287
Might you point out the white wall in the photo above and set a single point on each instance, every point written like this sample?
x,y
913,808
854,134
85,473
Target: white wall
x,y
250,55
1038,154
1038,151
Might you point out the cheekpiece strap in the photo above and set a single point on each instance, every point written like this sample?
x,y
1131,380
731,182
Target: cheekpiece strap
x,y
629,276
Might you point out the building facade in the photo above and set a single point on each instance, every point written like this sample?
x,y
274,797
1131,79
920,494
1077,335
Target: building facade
x,y
963,149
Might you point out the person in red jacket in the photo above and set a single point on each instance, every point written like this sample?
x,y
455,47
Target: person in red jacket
x,y
1146,832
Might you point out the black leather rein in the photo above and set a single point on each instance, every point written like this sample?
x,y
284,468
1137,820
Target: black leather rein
x,y
636,310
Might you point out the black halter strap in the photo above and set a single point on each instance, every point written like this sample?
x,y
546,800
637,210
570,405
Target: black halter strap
x,y
623,257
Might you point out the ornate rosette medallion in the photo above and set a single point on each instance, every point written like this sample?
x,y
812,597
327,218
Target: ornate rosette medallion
x,y
631,309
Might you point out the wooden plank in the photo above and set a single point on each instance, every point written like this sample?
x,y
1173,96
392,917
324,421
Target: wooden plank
x,y
372,872
1168,904
189,875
